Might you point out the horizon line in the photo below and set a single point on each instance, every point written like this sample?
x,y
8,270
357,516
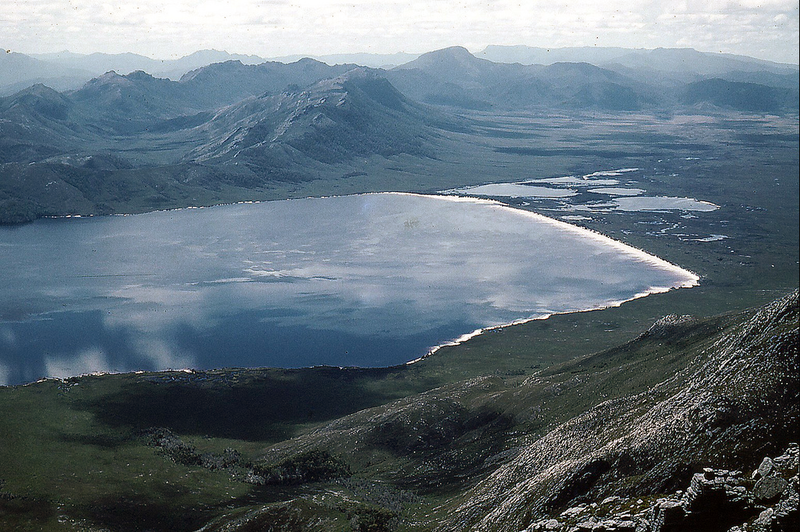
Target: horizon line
x,y
386,54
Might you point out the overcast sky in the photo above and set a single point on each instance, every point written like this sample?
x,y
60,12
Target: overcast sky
x,y
167,29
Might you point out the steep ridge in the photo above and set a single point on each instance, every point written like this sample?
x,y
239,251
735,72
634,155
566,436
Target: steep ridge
x,y
358,113
737,399
690,426
138,102
36,124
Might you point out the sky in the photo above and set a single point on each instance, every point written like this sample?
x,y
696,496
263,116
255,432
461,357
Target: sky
x,y
765,29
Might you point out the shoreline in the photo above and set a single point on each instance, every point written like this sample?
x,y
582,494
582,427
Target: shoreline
x,y
478,332
686,278
464,338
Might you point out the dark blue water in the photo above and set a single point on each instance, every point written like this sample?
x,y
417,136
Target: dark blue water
x,y
370,280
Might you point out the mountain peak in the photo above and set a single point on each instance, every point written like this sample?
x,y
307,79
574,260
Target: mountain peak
x,y
109,78
40,90
308,61
453,54
140,75
214,69
39,99
456,51
359,73
451,64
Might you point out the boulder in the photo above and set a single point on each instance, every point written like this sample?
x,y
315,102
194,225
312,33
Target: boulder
x,y
766,468
769,489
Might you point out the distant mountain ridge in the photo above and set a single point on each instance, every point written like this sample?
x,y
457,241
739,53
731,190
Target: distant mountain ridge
x,y
136,139
373,60
455,77
66,70
126,63
19,71
669,59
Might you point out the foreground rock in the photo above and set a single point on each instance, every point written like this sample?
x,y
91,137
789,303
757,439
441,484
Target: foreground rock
x,y
765,501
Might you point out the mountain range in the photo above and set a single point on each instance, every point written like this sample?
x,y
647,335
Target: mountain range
x,y
633,81
241,127
66,70
225,125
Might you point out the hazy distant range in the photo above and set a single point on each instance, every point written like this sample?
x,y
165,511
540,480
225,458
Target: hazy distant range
x,y
67,71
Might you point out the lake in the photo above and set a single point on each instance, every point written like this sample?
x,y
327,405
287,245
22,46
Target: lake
x,y
598,183
365,280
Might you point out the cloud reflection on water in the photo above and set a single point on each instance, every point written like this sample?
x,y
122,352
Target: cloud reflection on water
x,y
92,360
237,284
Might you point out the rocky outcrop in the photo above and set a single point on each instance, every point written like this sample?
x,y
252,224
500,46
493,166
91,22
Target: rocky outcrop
x,y
173,447
765,501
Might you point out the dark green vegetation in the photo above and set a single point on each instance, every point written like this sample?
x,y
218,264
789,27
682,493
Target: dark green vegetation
x,y
527,420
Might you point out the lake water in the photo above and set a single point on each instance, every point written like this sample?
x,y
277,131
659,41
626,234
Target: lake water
x,y
367,280
566,188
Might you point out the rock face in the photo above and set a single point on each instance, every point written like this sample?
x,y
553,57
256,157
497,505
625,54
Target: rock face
x,y
759,503
738,396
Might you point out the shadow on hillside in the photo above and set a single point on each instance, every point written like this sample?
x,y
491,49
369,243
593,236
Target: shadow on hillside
x,y
254,405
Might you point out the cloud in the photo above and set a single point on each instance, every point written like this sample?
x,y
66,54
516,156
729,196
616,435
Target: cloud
x,y
271,28
161,353
91,360
7,336
5,375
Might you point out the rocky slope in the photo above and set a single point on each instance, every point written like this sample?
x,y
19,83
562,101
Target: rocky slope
x,y
732,404
762,501
690,426
356,114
